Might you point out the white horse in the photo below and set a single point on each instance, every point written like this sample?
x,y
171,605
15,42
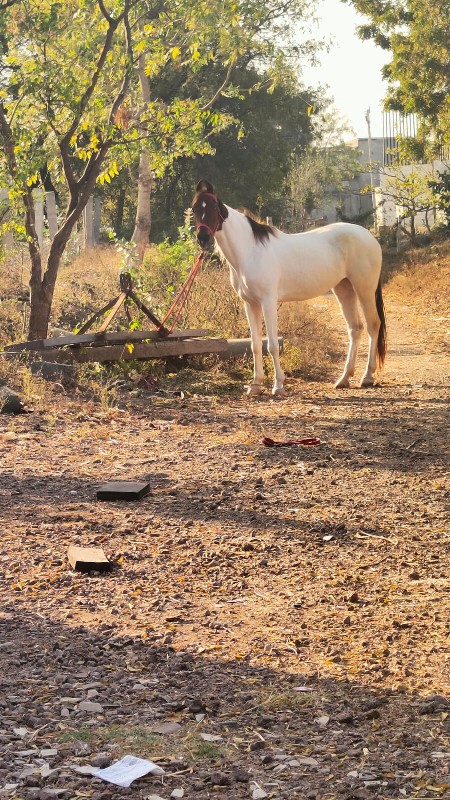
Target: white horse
x,y
268,266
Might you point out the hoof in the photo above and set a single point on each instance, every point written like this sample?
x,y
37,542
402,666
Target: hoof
x,y
281,392
367,383
254,390
343,383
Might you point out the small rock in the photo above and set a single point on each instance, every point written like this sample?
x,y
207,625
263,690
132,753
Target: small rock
x,y
266,722
307,761
197,707
346,717
101,761
259,794
10,402
219,779
258,745
81,749
434,703
439,699
52,371
153,797
165,728
90,707
240,775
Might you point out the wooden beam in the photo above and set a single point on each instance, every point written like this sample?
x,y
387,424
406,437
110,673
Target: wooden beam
x,y
112,337
142,351
112,313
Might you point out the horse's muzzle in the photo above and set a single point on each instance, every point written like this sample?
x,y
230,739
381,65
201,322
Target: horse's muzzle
x,y
204,238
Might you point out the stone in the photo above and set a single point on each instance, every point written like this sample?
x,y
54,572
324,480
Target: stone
x,y
90,708
52,371
10,402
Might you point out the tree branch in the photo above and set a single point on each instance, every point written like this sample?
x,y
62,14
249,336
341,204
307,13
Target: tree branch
x,y
127,76
221,88
83,103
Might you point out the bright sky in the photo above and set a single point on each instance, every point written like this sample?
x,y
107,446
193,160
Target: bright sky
x,y
351,71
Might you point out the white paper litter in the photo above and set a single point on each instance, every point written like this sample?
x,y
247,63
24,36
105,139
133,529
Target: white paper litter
x,y
127,770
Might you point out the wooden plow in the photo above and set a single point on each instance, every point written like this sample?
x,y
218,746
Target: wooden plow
x,y
104,345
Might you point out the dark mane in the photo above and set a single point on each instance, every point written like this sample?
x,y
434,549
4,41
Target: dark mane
x,y
261,230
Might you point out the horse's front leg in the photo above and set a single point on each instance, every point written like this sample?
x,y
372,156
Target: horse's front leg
x,y
254,316
269,308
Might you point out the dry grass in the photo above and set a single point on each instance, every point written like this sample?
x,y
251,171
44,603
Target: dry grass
x,y
92,279
421,277
85,285
311,347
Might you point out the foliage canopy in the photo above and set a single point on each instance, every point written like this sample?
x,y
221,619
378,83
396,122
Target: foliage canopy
x,y
417,33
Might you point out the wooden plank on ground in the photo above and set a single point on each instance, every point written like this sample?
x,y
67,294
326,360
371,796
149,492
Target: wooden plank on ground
x,y
123,490
148,350
85,559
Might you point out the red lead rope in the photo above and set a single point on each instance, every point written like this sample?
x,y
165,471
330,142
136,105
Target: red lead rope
x,y
177,305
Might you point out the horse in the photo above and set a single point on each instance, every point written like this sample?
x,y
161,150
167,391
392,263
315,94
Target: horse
x,y
268,266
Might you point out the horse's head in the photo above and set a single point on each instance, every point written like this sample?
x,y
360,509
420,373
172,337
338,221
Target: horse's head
x,y
209,213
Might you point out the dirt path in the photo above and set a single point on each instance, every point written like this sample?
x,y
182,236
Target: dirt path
x,y
286,610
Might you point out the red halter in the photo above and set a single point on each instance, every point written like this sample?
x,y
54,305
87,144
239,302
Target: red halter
x,y
220,219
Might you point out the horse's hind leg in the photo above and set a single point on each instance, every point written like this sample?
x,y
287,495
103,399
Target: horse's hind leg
x,y
346,297
255,318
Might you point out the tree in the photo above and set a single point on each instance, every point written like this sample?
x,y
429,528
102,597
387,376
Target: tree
x,y
251,158
322,170
69,100
412,193
417,34
440,187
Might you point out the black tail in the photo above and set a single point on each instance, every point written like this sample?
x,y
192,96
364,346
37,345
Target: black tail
x,y
382,335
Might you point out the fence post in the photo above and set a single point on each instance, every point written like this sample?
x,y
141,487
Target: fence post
x,y
50,204
97,217
38,199
7,235
88,223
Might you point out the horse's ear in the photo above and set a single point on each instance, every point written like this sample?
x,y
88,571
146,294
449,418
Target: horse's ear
x,y
205,186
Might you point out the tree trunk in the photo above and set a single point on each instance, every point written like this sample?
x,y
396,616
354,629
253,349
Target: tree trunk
x,y
141,234
413,229
41,293
40,308
42,286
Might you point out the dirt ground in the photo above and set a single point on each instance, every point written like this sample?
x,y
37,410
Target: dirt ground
x,y
276,622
